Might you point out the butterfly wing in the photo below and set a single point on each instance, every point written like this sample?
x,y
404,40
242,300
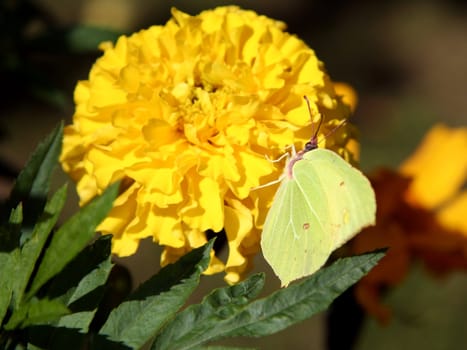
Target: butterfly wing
x,y
348,204
293,240
325,204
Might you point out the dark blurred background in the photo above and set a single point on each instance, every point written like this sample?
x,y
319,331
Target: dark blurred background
x,y
407,61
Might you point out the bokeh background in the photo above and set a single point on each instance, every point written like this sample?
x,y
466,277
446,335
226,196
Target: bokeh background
x,y
406,59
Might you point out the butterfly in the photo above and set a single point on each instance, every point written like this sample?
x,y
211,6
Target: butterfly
x,y
321,203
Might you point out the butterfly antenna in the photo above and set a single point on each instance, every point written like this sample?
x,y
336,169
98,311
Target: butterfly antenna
x,y
342,123
314,132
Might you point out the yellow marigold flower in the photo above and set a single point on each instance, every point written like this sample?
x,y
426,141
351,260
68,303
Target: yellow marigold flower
x,y
421,215
184,114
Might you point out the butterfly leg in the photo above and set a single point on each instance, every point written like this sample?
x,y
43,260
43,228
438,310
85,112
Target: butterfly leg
x,y
270,183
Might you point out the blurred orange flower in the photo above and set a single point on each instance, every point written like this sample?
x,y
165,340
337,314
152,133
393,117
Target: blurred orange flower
x,y
421,215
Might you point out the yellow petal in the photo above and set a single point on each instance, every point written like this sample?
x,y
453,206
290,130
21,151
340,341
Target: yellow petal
x,y
438,167
130,78
238,226
125,246
453,215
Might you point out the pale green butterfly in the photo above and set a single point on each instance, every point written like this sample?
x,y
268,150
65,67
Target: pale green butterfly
x,y
321,203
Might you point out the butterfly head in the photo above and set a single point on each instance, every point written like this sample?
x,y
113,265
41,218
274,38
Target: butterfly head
x,y
313,143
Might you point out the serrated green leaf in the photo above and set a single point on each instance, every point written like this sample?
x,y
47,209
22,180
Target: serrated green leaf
x,y
36,311
10,231
222,303
32,185
305,299
278,311
9,257
88,270
16,216
87,275
32,248
8,263
83,281
139,318
78,320
71,339
34,180
72,237
75,325
6,290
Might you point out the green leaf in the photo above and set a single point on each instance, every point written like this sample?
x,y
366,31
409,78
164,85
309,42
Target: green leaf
x,y
10,231
16,217
9,257
32,248
88,271
278,311
72,237
138,319
32,347
81,284
220,304
302,300
36,312
32,185
8,263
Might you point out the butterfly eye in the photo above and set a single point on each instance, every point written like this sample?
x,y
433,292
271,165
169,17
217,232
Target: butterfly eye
x,y
309,146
